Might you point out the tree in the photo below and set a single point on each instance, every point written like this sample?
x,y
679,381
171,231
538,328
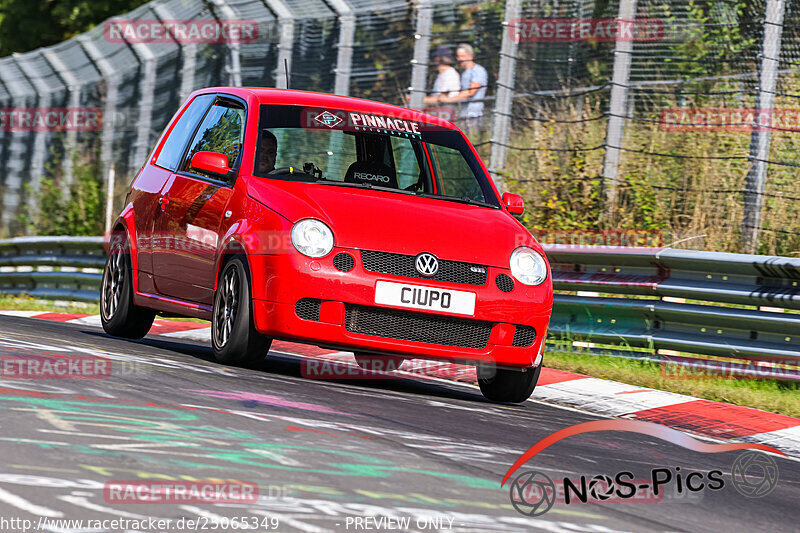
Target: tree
x,y
29,24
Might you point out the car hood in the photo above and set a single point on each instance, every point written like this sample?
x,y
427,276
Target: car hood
x,y
400,223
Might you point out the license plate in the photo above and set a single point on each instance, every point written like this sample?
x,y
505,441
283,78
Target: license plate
x,y
430,298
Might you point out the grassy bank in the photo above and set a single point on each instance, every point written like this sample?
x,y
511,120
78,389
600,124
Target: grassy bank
x,y
775,396
688,185
27,303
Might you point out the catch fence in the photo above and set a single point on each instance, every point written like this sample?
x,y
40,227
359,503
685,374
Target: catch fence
x,y
675,115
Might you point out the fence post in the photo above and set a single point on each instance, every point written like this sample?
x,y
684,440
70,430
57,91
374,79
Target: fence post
x,y
110,197
188,67
235,68
285,41
74,87
188,55
3,158
344,58
623,50
422,46
147,88
15,152
756,181
39,154
111,79
501,119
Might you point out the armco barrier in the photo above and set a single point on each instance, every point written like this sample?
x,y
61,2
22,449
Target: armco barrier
x,y
714,280
48,267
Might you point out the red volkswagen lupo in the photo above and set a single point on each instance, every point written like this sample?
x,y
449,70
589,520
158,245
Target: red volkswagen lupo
x,y
334,221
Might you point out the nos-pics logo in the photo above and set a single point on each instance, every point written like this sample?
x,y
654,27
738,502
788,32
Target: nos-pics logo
x,y
532,493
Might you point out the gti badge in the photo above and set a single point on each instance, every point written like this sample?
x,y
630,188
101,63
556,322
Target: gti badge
x,y
427,264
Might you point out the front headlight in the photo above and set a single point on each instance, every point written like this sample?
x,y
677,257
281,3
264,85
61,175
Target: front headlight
x,y
312,238
528,266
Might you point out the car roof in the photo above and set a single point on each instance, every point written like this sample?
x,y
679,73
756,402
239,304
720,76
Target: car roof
x,y
345,103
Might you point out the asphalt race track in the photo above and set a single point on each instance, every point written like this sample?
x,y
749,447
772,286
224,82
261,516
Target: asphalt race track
x,y
326,456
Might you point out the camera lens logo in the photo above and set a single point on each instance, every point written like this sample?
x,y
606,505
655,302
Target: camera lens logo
x,y
601,487
754,474
532,493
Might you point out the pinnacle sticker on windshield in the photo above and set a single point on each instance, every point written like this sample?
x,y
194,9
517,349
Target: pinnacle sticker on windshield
x,y
362,122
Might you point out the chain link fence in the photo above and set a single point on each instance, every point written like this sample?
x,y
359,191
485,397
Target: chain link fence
x,y
675,116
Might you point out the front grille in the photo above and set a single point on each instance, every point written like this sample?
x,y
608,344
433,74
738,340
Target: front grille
x,y
504,283
308,308
416,327
344,262
403,265
524,336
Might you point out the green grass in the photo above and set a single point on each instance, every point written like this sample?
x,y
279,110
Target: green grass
x,y
28,303
775,396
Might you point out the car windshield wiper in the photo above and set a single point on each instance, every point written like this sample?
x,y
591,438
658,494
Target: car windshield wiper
x,y
462,200
361,185
345,184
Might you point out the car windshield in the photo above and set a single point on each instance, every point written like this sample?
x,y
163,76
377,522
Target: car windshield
x,y
335,147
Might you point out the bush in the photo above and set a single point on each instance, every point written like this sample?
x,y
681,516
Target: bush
x,y
75,210
696,199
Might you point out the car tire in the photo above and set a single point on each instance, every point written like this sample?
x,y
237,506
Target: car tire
x,y
379,363
509,386
233,333
118,315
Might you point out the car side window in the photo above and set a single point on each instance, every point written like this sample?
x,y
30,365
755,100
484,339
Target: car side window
x,y
222,131
170,155
406,162
455,175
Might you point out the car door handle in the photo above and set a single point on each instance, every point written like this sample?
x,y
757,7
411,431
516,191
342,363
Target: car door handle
x,y
163,202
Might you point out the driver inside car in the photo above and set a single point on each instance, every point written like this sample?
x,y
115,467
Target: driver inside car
x,y
268,152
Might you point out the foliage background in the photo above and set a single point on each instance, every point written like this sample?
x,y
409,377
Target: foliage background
x,y
29,24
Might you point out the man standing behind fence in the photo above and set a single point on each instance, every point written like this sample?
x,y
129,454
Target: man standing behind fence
x,y
474,79
447,81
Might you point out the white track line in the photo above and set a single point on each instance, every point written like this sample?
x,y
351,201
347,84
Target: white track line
x,y
93,320
200,334
610,398
21,503
23,314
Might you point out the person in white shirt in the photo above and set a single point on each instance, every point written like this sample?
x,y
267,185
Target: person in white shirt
x,y
448,81
474,80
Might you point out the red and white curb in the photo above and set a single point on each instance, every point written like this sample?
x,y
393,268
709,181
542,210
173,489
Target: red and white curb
x,y
706,418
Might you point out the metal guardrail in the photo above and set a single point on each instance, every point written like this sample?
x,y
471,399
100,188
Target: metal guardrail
x,y
52,267
714,284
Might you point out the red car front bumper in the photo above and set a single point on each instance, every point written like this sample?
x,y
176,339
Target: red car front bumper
x,y
340,312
